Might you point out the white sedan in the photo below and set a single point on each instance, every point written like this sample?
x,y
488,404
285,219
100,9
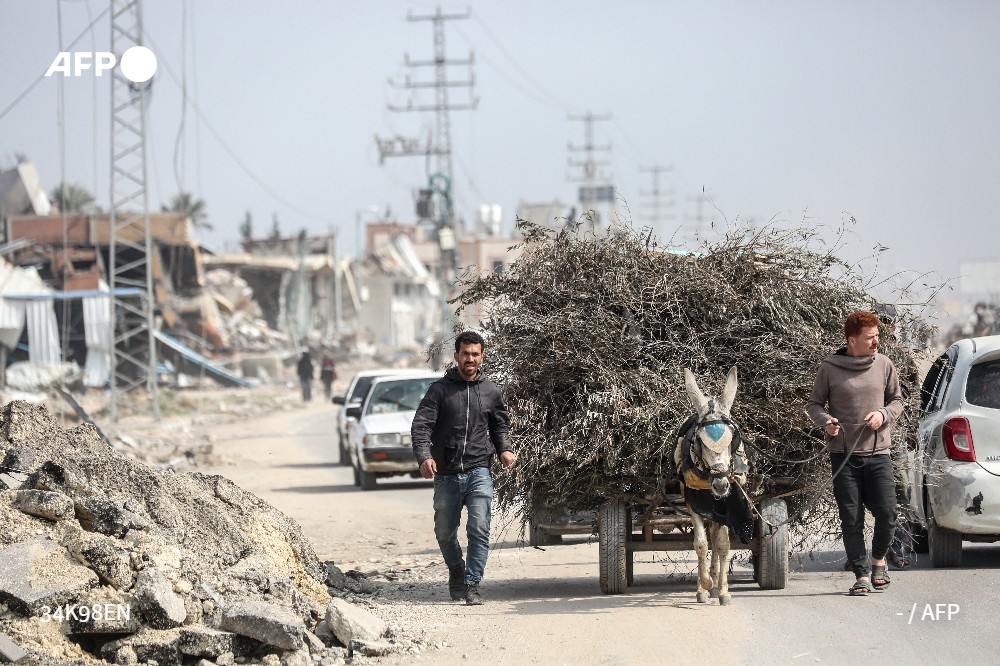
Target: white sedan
x,y
956,472
380,444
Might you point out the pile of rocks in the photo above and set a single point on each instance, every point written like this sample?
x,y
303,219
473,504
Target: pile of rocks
x,y
105,558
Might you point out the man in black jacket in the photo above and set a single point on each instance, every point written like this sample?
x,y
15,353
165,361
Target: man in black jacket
x,y
460,423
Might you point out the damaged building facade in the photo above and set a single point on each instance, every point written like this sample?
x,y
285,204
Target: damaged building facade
x,y
239,315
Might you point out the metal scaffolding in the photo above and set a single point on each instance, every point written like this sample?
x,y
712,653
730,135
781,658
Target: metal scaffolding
x,y
133,347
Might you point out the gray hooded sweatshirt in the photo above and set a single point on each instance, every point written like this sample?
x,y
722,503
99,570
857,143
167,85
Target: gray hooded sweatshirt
x,y
849,387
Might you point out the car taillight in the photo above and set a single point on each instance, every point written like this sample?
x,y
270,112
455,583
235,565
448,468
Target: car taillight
x,y
957,436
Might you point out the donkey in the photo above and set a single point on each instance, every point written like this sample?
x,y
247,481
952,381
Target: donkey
x,y
708,457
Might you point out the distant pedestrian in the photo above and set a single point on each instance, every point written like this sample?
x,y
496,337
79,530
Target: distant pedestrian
x,y
856,398
327,374
461,423
305,371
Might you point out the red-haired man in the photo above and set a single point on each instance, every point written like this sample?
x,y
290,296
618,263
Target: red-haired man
x,y
856,399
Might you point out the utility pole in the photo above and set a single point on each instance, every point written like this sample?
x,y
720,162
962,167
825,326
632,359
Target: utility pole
x,y
132,336
439,182
597,184
699,218
653,209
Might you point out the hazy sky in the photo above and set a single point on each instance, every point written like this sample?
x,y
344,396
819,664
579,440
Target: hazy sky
x,y
884,111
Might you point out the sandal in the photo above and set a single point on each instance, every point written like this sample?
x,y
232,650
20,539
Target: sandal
x,y
861,587
880,576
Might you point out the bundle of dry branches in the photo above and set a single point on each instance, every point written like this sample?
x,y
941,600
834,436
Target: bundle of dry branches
x,y
588,337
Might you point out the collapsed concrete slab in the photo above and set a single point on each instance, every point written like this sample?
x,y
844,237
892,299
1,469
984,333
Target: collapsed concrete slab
x,y
161,607
349,622
200,641
265,622
40,573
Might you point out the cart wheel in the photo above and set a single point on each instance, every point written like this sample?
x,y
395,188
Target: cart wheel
x,y
771,570
612,519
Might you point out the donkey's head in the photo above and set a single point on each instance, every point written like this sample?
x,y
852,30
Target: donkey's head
x,y
715,437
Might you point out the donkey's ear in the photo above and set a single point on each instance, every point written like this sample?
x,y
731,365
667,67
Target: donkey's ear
x,y
694,393
729,391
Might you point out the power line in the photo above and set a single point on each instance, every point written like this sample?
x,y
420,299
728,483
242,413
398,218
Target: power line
x,y
42,77
232,153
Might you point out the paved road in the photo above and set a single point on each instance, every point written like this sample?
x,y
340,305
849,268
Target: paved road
x,y
546,607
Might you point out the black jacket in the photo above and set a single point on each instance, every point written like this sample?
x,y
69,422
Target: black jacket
x,y
461,424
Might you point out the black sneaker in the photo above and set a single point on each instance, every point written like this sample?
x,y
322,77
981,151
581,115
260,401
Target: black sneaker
x,y
456,582
472,595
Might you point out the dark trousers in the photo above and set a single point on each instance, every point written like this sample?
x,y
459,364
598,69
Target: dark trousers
x,y
865,482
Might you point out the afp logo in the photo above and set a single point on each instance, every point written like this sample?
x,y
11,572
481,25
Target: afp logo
x,y
138,64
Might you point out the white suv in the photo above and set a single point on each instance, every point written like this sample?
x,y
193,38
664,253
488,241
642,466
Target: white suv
x,y
380,443
956,472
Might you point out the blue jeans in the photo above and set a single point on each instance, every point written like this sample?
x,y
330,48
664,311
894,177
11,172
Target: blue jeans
x,y
473,490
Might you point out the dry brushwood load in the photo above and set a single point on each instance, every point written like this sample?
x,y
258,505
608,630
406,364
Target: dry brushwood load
x,y
589,337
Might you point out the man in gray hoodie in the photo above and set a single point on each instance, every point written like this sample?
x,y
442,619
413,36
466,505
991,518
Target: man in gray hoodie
x,y
856,399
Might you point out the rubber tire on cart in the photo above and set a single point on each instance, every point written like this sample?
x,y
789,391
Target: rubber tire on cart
x,y
366,479
771,570
944,546
612,522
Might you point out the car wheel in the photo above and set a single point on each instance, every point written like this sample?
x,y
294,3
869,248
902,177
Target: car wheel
x,y
945,546
345,457
367,480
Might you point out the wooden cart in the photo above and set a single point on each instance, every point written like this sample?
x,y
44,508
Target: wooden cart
x,y
624,529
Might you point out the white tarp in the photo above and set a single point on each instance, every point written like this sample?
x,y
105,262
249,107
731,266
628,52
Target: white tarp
x,y
43,332
97,328
20,282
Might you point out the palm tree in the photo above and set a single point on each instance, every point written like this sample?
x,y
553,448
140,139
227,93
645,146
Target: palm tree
x,y
72,198
194,209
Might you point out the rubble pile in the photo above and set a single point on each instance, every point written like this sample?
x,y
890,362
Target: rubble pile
x,y
238,317
589,337
105,558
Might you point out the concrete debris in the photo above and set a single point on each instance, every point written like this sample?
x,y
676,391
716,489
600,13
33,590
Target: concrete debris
x,y
108,559
108,611
200,641
349,622
105,557
10,651
265,622
161,646
159,605
43,504
39,574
